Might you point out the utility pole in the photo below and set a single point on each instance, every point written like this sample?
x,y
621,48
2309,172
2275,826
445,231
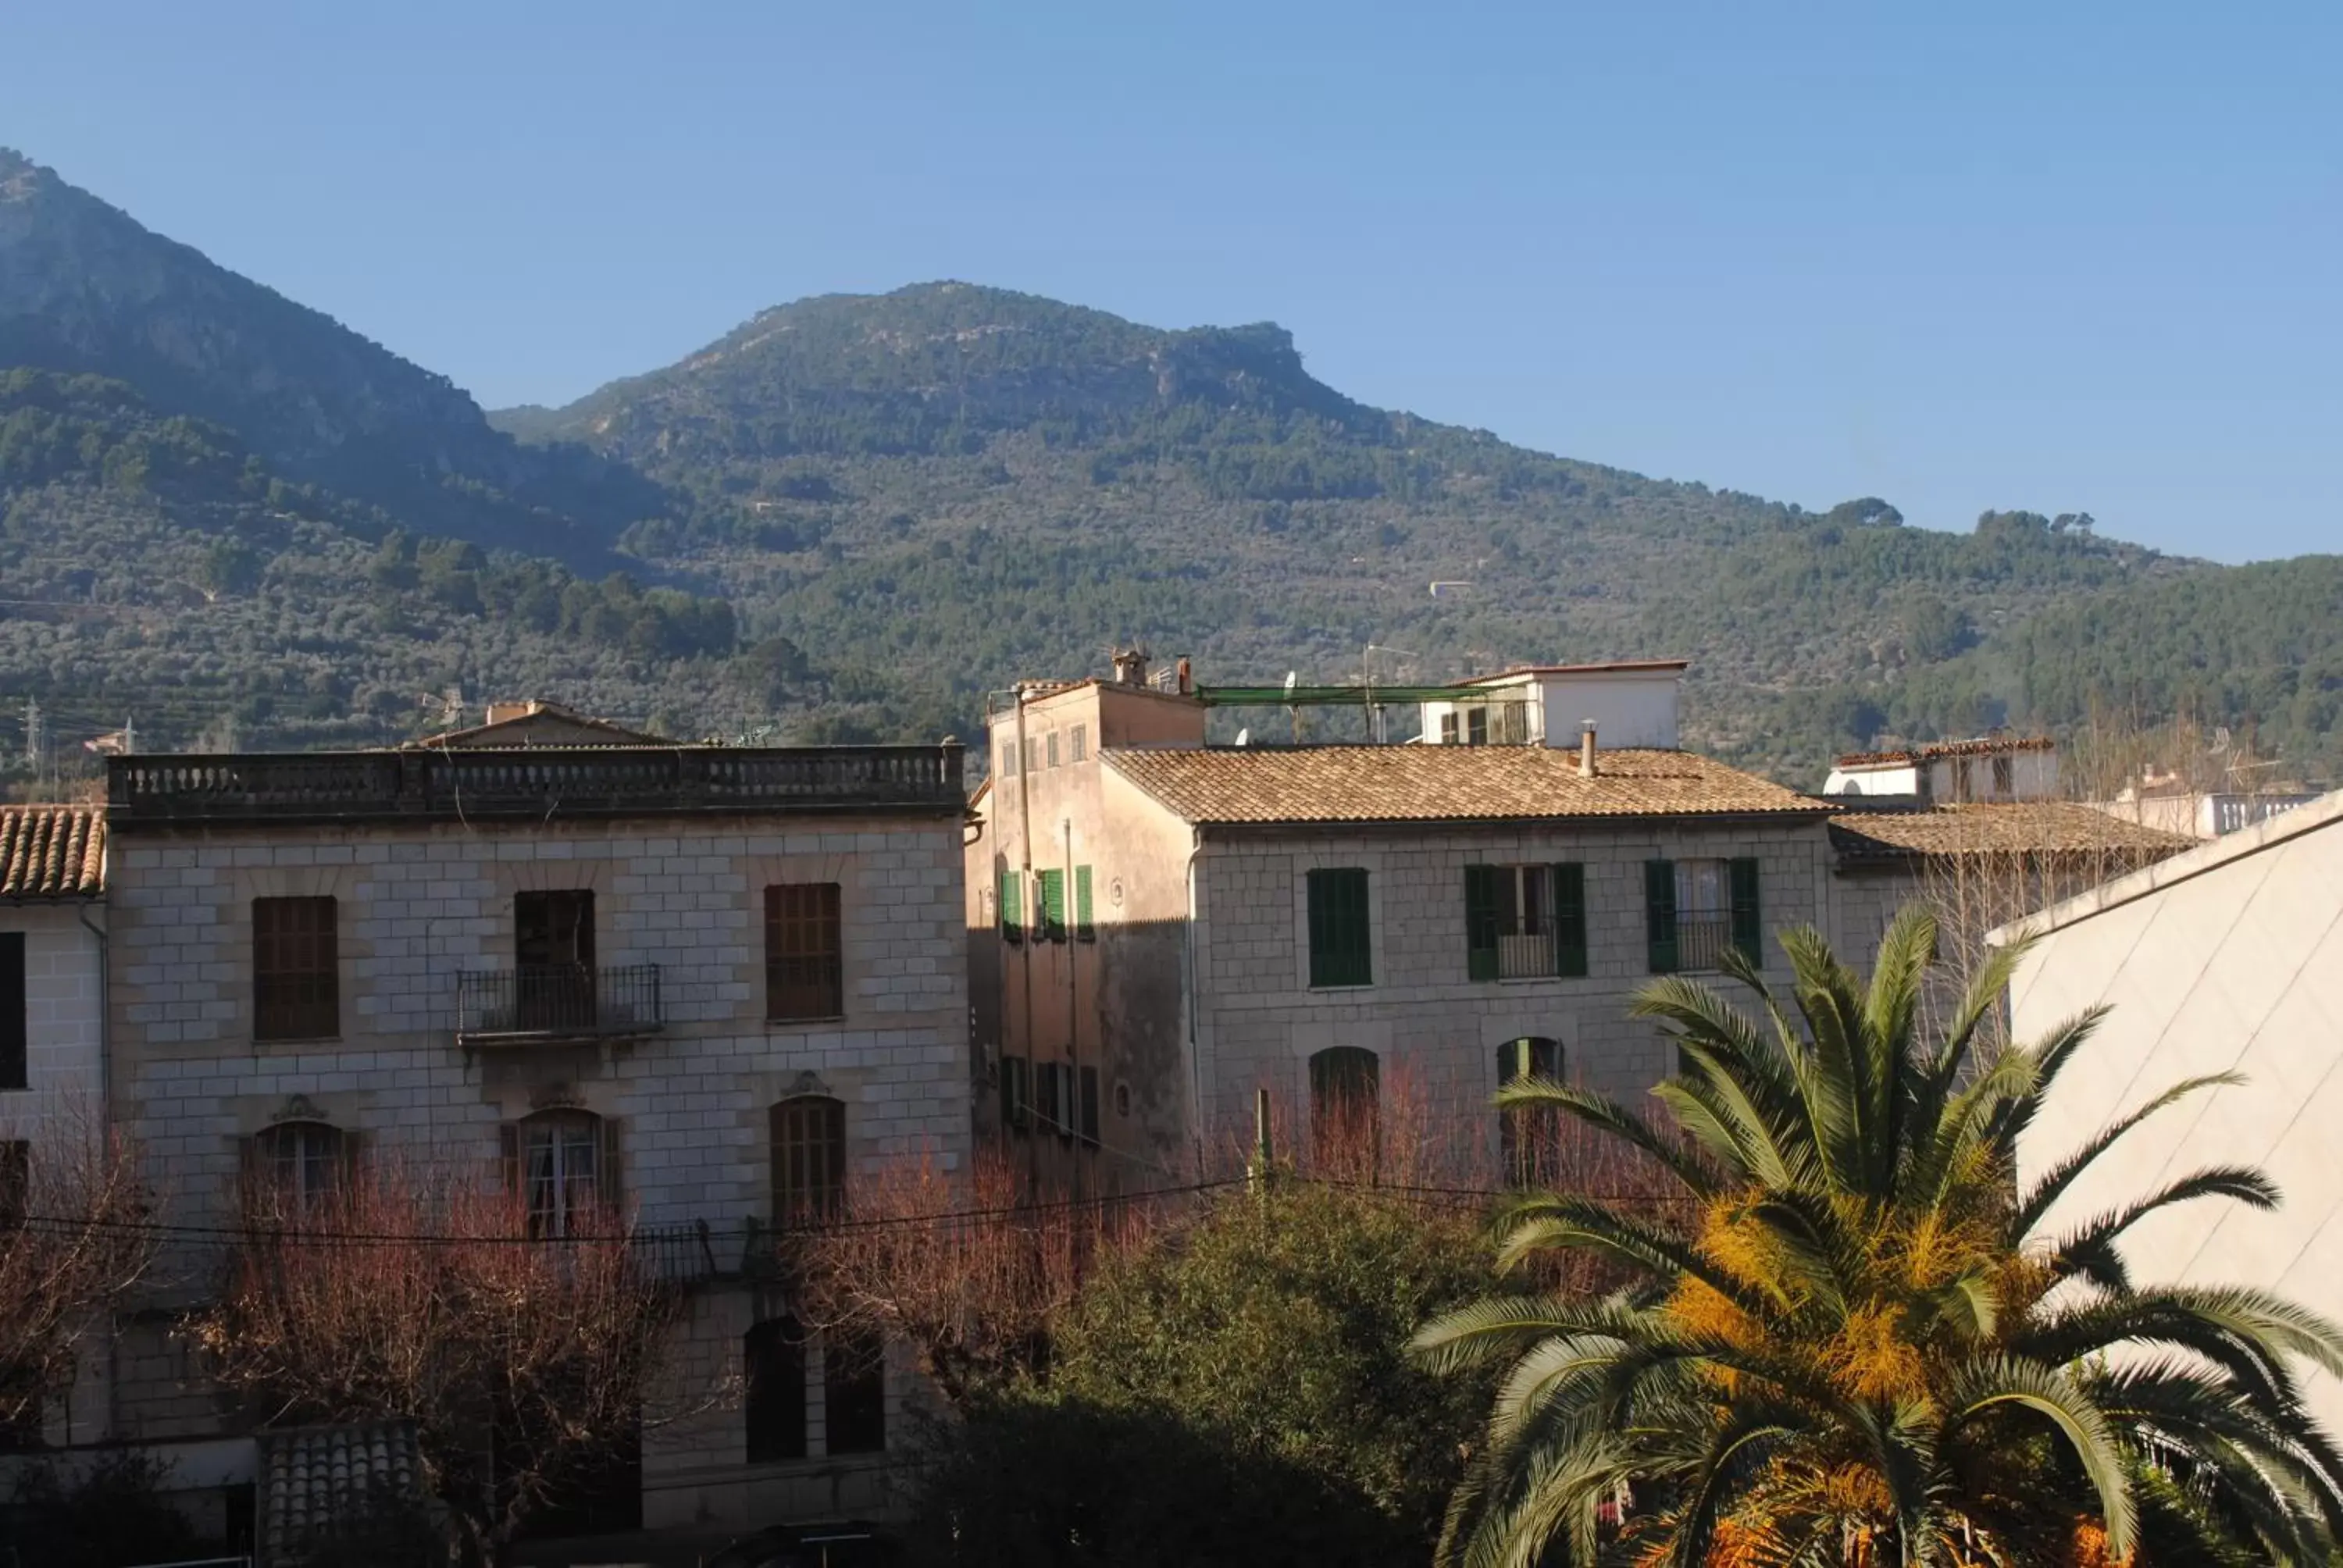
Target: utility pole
x,y
33,736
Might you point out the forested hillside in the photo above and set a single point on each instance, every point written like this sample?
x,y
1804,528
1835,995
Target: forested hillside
x,y
229,518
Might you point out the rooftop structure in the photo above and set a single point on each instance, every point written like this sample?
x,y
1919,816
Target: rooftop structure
x,y
1988,767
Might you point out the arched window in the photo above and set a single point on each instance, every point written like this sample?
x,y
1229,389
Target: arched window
x,y
773,1372
1345,1096
297,1166
562,1165
809,1135
1528,1139
853,1394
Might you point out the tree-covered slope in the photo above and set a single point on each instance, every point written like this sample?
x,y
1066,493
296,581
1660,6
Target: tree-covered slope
x,y
154,570
84,287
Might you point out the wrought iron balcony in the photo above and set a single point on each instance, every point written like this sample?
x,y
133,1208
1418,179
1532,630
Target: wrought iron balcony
x,y
476,786
548,1002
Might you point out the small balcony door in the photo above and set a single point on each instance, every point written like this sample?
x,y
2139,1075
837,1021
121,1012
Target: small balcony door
x,y
553,983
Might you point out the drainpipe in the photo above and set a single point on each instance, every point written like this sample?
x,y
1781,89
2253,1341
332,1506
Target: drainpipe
x,y
1188,1003
105,1128
1024,880
1073,1011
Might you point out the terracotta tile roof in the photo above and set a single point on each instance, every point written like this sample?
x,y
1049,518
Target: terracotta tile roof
x,y
330,1480
1984,746
52,852
1443,783
2045,826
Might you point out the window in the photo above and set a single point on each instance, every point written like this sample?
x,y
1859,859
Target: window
x,y
1016,1093
1698,911
1055,1107
1032,758
804,973
297,1166
16,1011
1529,1138
296,975
1524,921
1052,742
1964,783
808,1136
1008,759
1012,907
1050,906
1086,1106
1340,950
1081,742
2004,778
15,1183
564,1164
1476,726
853,1394
1448,727
1346,1103
773,1380
1085,924
553,948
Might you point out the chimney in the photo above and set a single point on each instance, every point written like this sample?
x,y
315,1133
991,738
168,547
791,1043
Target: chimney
x,y
500,711
1586,748
1131,667
1184,687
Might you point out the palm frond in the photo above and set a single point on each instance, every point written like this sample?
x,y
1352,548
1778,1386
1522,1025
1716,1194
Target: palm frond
x,y
2055,1181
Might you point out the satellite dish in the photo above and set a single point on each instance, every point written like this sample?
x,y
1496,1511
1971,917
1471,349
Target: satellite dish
x,y
1244,737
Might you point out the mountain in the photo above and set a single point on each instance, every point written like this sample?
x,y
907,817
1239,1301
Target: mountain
x,y
854,516
84,287
962,485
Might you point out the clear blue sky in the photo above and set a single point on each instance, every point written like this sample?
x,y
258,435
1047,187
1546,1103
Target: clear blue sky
x,y
1957,255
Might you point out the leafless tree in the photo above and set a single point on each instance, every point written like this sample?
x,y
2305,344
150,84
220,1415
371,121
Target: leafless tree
x,y
74,1238
418,1295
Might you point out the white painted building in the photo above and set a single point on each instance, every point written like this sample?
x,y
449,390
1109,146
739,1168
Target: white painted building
x,y
53,955
1629,703
2226,958
1992,769
700,983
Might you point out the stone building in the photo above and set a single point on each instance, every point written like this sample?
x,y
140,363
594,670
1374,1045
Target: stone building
x,y
1161,927
53,958
703,983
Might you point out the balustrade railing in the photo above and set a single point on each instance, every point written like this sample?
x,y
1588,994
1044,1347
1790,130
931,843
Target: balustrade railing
x,y
464,785
558,1000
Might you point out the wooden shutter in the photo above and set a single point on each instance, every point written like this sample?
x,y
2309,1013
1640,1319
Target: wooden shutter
x,y
1748,925
608,1183
1341,949
1481,922
1089,1122
1050,906
1569,919
14,1008
1012,907
1659,914
1085,927
509,1156
1016,1092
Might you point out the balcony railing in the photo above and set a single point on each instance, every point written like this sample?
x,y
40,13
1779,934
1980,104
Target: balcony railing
x,y
1703,941
1525,957
470,786
558,1001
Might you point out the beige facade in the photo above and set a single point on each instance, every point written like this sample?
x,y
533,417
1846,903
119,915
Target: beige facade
x,y
2225,959
1190,989
655,1058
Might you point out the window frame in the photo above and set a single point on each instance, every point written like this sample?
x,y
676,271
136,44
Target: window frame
x,y
1340,927
571,1195
1049,904
773,1347
1079,743
1519,1060
853,1379
1009,907
16,1011
806,1146
296,1001
816,992
302,1148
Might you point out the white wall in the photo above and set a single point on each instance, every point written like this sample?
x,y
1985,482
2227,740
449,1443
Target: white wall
x,y
2228,959
1629,707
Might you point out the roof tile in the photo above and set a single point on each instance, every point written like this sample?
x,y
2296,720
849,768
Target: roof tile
x,y
2045,826
52,852
1445,783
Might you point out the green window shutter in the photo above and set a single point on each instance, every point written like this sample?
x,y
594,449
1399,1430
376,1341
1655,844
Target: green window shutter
x,y
1051,911
1012,907
1340,951
1481,922
1748,927
1085,927
1659,914
1570,920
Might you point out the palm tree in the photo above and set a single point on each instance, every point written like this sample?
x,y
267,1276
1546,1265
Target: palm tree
x,y
1855,1342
